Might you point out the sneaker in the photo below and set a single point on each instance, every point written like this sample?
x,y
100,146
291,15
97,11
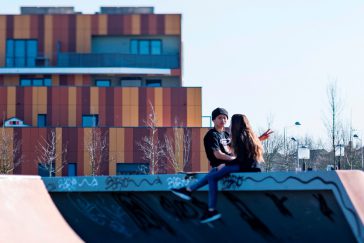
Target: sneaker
x,y
210,216
182,193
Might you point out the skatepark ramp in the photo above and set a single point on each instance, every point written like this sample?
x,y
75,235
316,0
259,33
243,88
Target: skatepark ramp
x,y
255,207
28,214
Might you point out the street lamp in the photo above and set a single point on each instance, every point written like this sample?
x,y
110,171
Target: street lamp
x,y
297,123
298,159
361,146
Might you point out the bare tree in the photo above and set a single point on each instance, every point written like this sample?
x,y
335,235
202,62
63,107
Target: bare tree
x,y
271,147
10,156
178,148
333,121
47,153
96,147
150,146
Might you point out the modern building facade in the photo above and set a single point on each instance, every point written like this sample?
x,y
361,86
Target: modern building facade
x,y
66,72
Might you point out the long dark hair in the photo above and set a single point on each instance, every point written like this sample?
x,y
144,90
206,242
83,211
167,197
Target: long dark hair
x,y
241,129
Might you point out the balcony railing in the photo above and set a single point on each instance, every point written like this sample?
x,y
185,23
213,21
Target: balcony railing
x,y
117,60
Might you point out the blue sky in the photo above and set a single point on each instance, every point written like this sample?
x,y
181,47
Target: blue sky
x,y
265,59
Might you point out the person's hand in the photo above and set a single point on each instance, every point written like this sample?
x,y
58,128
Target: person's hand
x,y
265,135
220,166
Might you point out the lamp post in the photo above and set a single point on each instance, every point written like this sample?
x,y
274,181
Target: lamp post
x,y
298,159
361,146
297,123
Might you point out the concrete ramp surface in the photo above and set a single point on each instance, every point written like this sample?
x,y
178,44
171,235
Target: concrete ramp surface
x,y
256,207
28,214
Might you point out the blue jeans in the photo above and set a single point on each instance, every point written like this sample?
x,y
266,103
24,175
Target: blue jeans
x,y
212,178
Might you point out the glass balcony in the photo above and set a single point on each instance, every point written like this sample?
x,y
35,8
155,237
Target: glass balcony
x,y
117,60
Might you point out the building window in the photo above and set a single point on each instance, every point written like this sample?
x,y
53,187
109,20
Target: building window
x,y
44,171
21,53
72,169
90,120
132,168
146,47
25,82
131,82
35,82
42,120
154,83
155,47
103,83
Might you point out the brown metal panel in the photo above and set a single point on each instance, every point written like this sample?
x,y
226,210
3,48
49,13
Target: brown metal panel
x,y
62,80
85,100
56,106
152,24
82,158
148,102
109,104
194,110
18,136
160,24
112,150
134,101
196,141
138,134
129,145
115,24
79,106
37,27
61,34
9,26
179,105
117,107
34,104
33,150
21,27
28,165
104,167
19,103
135,24
93,100
204,163
120,146
167,107
70,139
127,25
49,44
103,24
86,80
144,26
158,105
172,24
3,104
102,106
143,103
64,106
94,24
11,101
72,101
83,33
72,33
28,105
50,105
3,29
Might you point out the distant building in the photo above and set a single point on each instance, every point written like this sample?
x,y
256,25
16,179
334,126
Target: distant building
x,y
68,72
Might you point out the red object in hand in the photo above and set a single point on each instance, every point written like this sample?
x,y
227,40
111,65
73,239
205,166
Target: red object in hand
x,y
265,135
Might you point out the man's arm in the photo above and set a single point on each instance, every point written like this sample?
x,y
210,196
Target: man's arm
x,y
220,155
